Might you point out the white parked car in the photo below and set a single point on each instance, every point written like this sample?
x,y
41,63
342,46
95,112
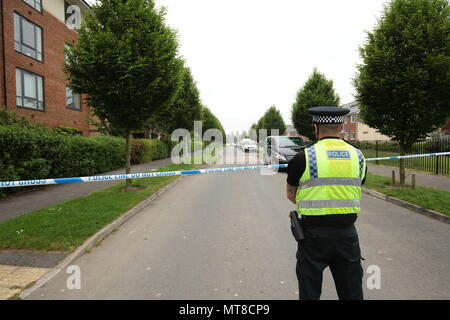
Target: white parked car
x,y
248,145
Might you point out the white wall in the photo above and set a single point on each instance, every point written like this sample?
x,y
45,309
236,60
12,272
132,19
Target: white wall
x,y
56,8
371,134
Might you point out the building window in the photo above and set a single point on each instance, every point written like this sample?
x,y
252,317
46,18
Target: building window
x,y
73,100
354,118
353,135
67,47
27,37
35,4
29,90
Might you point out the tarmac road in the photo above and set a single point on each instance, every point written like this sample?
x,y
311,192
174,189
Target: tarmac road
x,y
227,236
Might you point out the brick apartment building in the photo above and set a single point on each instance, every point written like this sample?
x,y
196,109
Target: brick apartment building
x,y
356,130
33,34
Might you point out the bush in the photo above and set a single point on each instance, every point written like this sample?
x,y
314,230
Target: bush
x,y
20,155
12,118
65,130
145,150
28,153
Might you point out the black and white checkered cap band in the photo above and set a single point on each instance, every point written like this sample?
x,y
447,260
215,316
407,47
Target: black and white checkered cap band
x,y
328,119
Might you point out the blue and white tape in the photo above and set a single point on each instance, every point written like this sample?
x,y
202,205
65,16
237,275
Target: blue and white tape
x,y
411,156
41,182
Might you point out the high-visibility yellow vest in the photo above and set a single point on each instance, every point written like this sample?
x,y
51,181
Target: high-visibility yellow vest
x,y
331,182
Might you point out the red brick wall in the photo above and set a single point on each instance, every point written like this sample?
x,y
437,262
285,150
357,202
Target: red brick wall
x,y
2,69
55,34
350,128
446,128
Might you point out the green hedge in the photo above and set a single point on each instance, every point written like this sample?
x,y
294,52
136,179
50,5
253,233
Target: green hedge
x,y
28,153
32,153
145,150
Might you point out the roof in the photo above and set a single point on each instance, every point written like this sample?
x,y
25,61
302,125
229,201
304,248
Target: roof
x,y
83,2
353,106
87,4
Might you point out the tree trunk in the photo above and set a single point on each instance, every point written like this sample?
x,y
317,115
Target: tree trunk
x,y
402,166
128,160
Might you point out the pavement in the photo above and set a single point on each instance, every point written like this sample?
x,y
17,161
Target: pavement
x,y
20,268
13,279
227,236
430,180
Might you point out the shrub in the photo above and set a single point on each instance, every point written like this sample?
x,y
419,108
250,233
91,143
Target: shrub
x,y
13,118
145,150
28,153
36,153
65,130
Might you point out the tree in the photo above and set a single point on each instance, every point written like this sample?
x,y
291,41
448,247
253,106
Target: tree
x,y
272,119
253,132
403,83
317,91
259,125
126,61
210,121
185,109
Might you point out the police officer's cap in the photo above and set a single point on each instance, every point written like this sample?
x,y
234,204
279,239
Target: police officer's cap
x,y
328,115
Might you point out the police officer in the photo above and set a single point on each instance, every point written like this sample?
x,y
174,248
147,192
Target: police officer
x,y
324,181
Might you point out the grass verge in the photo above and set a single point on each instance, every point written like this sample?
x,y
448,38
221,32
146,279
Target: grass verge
x,y
426,197
65,226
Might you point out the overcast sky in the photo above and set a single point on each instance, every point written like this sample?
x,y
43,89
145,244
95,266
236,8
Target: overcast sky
x,y
247,55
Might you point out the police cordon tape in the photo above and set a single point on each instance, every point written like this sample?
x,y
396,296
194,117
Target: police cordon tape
x,y
41,182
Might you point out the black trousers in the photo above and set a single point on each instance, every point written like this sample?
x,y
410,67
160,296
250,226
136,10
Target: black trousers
x,y
337,248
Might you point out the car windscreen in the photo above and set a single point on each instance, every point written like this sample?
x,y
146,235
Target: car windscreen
x,y
249,142
288,142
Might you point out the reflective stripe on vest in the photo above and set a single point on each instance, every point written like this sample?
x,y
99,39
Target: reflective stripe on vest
x,y
331,183
318,204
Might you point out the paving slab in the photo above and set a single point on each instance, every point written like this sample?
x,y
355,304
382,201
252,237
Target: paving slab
x,y
14,279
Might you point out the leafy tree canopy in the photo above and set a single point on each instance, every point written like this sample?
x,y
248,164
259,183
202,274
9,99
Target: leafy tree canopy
x,y
317,91
126,61
210,121
272,119
185,109
403,84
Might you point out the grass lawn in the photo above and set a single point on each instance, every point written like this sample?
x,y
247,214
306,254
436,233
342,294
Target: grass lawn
x,y
430,198
65,226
